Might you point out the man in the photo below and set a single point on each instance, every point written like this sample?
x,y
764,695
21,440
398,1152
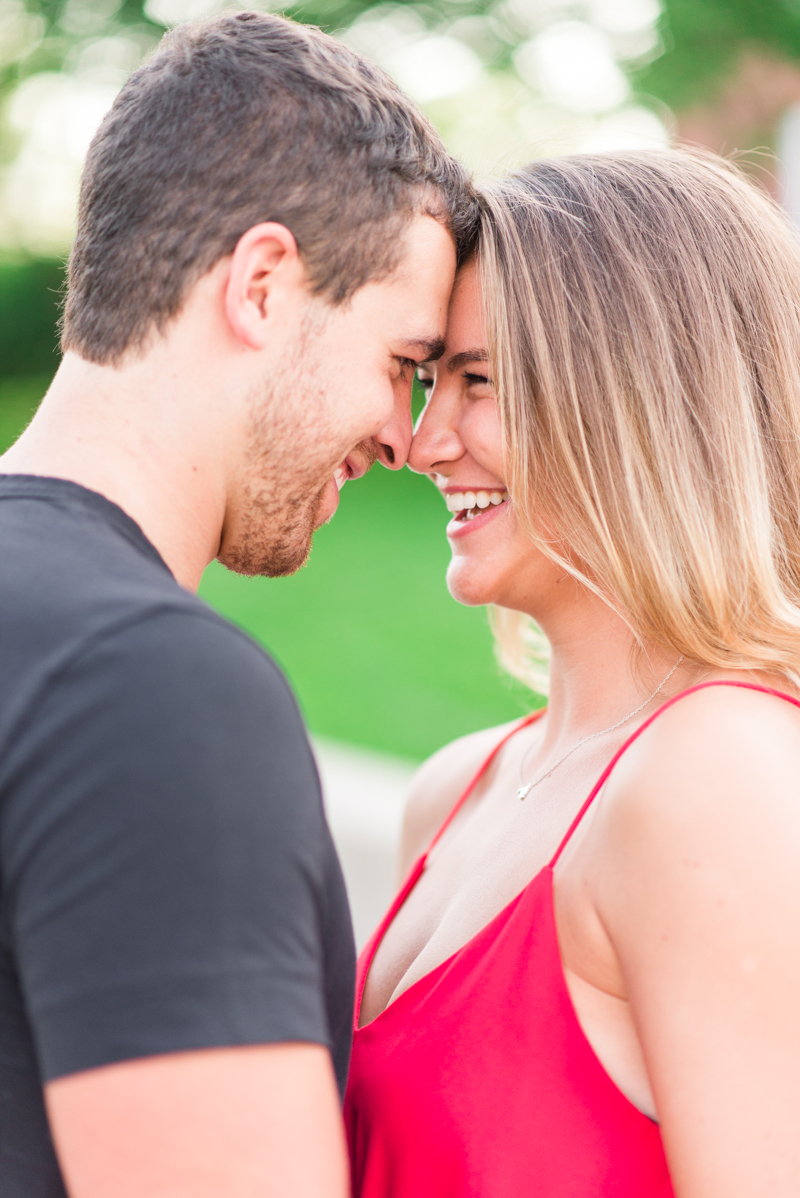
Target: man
x,y
267,238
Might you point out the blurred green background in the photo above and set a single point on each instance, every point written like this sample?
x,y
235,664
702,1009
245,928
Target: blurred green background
x,y
378,653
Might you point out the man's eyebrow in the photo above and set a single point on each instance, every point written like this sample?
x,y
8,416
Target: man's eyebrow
x,y
429,350
464,358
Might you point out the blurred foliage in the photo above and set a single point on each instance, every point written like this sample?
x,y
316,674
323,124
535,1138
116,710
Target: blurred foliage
x,y
703,38
19,399
699,43
333,15
30,294
55,27
700,38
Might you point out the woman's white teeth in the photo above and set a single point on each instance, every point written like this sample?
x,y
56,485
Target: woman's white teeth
x,y
469,501
340,476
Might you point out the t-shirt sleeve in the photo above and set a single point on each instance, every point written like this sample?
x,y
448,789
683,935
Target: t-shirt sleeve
x,y
165,852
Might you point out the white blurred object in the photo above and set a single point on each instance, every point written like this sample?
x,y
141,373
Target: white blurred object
x,y
432,67
633,128
382,30
109,60
19,31
428,66
624,16
788,150
526,17
365,795
573,64
172,12
57,115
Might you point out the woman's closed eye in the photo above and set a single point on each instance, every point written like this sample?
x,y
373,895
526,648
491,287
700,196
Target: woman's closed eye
x,y
471,378
476,380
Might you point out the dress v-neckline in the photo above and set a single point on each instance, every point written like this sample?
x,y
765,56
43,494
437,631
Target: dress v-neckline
x,y
430,977
415,874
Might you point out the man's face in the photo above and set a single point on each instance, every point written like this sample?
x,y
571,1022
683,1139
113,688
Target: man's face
x,y
338,397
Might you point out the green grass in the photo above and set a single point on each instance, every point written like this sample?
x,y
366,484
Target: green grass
x,y
377,651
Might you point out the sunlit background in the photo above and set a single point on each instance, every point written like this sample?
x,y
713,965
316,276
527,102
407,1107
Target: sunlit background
x,y
380,656
499,80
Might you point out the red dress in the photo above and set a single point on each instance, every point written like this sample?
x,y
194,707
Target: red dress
x,y
478,1081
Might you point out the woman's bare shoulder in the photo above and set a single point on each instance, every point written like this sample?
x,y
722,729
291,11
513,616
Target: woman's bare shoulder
x,y
721,727
439,783
721,765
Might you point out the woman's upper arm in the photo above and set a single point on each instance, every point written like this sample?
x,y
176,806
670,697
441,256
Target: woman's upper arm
x,y
703,913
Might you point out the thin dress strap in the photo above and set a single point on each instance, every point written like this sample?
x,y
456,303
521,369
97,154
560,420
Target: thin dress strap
x,y
750,686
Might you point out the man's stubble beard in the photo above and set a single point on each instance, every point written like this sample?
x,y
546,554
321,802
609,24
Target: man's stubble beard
x,y
274,538
286,472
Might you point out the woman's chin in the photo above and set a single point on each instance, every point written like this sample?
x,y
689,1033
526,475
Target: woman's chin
x,y
469,586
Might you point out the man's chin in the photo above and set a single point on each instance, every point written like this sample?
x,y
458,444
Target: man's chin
x,y
263,550
275,561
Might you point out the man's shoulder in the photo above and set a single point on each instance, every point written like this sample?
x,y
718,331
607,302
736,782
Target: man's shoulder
x,y
173,708
73,561
179,637
81,575
90,613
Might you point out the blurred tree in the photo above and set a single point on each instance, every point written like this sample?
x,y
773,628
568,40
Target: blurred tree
x,y
704,41
728,69
701,38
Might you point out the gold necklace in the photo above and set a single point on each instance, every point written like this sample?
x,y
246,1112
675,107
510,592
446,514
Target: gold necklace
x,y
525,790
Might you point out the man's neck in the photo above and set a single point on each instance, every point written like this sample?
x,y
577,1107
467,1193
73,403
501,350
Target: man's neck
x,y
128,435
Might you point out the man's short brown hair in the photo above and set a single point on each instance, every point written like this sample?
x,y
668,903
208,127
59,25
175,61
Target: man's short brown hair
x,y
244,118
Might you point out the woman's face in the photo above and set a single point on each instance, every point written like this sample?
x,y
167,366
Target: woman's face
x,y
458,444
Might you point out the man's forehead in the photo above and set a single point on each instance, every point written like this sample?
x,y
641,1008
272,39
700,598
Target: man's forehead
x,y
426,246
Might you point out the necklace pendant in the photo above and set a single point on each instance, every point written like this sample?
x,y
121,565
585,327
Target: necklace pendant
x,y
522,793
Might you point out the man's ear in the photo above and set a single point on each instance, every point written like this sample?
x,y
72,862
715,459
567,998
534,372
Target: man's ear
x,y
265,262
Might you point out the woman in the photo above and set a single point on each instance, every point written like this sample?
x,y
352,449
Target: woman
x,y
590,983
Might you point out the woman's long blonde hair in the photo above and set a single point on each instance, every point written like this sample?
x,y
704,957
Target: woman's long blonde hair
x,y
643,312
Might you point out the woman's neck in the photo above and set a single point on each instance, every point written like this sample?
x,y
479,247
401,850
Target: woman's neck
x,y
599,674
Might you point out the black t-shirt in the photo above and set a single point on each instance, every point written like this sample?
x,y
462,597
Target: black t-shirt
x,y
167,878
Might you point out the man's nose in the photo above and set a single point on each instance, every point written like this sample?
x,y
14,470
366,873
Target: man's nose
x,y
393,442
436,439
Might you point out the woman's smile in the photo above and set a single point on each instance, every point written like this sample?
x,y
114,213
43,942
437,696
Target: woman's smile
x,y
473,508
